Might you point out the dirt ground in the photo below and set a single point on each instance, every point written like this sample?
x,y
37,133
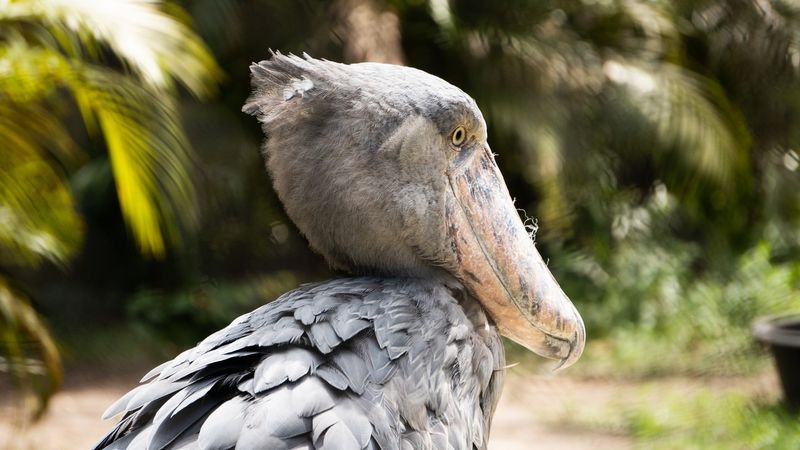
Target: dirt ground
x,y
532,413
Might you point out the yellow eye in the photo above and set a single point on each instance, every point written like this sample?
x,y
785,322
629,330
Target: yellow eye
x,y
459,136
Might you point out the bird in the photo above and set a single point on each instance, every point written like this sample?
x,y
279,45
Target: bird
x,y
387,172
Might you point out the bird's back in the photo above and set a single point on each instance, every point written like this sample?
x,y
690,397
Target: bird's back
x,y
346,364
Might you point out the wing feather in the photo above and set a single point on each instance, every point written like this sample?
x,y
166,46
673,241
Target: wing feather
x,y
222,428
173,427
353,363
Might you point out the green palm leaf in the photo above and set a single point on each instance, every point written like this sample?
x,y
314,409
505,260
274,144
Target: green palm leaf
x,y
49,48
156,46
149,157
689,116
147,146
27,352
37,218
148,150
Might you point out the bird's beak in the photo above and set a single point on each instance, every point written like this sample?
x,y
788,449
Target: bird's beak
x,y
499,264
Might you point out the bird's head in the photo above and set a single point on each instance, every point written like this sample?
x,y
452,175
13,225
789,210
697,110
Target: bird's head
x,y
386,170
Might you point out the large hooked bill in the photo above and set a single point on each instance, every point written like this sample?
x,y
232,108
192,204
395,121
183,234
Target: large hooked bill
x,y
500,266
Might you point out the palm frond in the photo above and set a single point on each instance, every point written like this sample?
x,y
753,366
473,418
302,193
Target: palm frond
x,y
156,46
689,117
22,334
47,48
148,150
37,218
149,156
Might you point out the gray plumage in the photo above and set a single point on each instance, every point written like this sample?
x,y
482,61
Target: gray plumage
x,y
369,166
347,364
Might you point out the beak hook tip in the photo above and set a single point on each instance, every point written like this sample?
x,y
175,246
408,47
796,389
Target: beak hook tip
x,y
575,350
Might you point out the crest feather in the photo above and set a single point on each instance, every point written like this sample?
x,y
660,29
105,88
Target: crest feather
x,y
281,79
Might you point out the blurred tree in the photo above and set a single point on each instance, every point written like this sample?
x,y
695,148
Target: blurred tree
x,y
117,63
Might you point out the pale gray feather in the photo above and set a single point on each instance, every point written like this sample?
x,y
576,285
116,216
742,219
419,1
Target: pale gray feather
x,y
390,384
221,429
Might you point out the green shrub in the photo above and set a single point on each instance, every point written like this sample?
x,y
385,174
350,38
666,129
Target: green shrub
x,y
185,317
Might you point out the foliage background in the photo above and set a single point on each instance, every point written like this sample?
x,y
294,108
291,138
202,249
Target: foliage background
x,y
655,141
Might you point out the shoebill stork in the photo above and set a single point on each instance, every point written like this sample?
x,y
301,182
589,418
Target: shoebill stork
x,y
387,172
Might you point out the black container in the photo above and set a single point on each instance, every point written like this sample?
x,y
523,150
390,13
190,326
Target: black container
x,y
782,335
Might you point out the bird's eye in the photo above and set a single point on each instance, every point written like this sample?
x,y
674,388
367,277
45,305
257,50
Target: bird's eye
x,y
459,136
